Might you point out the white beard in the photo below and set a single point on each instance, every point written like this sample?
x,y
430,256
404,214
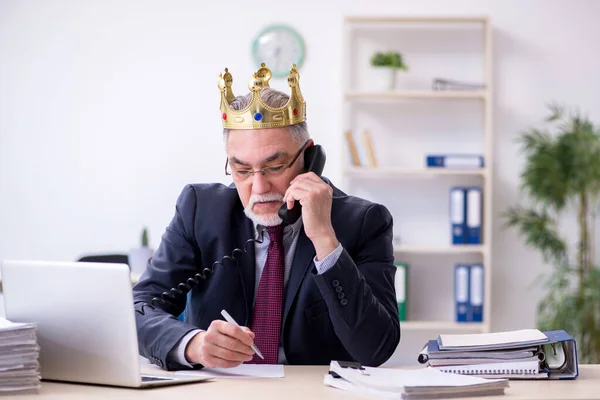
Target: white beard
x,y
265,220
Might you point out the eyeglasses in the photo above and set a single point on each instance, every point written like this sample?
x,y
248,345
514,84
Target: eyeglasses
x,y
271,171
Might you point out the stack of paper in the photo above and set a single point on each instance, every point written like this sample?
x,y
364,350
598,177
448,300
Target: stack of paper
x,y
410,383
512,354
19,357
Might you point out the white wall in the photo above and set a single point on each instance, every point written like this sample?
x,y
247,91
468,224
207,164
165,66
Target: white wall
x,y
108,108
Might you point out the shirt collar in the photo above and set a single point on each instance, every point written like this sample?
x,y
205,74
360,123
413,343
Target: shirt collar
x,y
292,229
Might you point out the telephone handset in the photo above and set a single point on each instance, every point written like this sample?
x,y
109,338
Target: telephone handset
x,y
314,161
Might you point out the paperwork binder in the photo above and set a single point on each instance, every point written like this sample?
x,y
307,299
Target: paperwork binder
x,y
400,280
458,210
561,355
507,354
473,215
476,292
461,292
455,161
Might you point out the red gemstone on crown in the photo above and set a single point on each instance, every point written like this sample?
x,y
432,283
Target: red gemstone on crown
x,y
224,116
295,111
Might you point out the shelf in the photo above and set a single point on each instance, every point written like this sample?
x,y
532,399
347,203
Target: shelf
x,y
417,94
424,19
381,171
452,249
433,41
441,326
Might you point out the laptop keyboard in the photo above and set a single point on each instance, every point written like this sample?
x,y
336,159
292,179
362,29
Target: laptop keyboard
x,y
147,378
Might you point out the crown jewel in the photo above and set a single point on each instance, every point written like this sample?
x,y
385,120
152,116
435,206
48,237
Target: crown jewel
x,y
258,115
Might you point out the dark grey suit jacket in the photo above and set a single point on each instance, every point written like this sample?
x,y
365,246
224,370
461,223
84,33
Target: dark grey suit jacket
x,y
347,313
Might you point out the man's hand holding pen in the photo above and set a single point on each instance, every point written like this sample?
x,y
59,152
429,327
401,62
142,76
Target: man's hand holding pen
x,y
223,344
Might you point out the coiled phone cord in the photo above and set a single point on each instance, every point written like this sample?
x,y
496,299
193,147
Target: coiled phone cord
x,y
184,287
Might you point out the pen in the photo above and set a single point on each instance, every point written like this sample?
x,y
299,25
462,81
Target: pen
x,y
229,318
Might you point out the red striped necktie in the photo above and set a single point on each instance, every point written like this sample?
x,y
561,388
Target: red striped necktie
x,y
266,321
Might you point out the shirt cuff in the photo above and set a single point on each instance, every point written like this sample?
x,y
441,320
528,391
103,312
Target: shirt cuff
x,y
179,350
329,260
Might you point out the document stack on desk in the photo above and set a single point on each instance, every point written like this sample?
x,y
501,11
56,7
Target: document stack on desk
x,y
19,352
521,354
409,383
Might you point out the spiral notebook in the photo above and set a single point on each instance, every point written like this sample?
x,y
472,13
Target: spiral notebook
x,y
512,370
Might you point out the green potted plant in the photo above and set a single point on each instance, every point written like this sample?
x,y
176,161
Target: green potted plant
x,y
561,179
139,256
385,66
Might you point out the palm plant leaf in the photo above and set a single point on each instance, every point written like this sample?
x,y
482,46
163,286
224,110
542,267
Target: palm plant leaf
x,y
544,175
539,230
563,170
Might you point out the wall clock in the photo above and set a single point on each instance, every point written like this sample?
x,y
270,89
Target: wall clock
x,y
278,46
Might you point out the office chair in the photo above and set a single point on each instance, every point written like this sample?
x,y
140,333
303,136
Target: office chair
x,y
106,258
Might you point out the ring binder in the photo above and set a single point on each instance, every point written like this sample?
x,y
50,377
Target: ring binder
x,y
520,359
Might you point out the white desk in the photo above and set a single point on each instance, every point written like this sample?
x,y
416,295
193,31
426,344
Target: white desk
x,y
304,382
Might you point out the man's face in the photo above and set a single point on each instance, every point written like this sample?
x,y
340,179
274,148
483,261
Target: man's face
x,y
252,150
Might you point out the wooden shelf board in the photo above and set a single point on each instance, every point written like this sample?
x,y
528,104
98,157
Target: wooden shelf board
x,y
416,94
442,326
375,171
416,19
452,249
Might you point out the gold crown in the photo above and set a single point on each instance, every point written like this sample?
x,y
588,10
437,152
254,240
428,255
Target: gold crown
x,y
258,115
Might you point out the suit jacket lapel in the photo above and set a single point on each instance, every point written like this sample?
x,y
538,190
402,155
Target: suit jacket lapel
x,y
301,265
242,231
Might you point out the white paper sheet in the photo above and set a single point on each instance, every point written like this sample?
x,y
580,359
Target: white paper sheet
x,y
241,371
411,383
521,337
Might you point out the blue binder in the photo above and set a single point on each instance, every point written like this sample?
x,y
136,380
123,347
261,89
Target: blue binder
x,y
458,211
569,368
473,215
455,161
560,359
476,289
461,292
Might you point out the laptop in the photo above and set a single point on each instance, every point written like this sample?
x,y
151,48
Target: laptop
x,y
85,320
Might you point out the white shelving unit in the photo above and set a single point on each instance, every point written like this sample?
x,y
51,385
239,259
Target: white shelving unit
x,y
416,249
414,94
386,171
407,123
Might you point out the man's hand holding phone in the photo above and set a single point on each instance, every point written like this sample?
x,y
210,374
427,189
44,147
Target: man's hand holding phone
x,y
315,197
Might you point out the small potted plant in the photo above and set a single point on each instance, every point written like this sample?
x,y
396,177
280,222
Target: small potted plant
x,y
385,66
138,257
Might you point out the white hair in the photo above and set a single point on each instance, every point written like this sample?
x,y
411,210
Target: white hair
x,y
272,98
